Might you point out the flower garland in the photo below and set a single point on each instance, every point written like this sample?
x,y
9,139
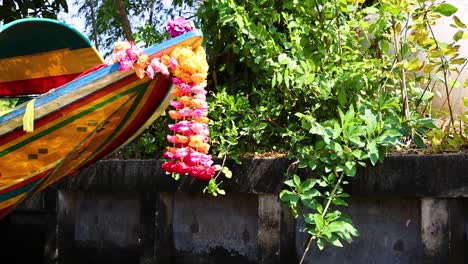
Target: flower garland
x,y
189,151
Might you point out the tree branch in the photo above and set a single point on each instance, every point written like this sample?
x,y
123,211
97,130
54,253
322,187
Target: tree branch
x,y
119,5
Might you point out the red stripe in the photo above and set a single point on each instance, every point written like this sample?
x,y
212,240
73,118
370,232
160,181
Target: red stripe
x,y
34,86
4,211
68,109
18,185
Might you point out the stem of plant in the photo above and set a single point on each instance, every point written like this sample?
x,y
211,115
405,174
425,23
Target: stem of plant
x,y
330,199
444,62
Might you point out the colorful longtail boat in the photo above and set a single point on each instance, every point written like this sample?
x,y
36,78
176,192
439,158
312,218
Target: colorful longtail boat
x,y
80,115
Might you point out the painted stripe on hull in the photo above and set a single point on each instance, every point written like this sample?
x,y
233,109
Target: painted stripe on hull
x,y
192,38
25,187
57,139
4,211
34,86
55,115
143,111
53,63
33,181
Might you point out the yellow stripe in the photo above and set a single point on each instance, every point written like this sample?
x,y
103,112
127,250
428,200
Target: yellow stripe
x,y
45,168
52,63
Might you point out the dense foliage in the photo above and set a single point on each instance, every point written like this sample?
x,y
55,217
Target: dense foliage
x,y
333,84
15,9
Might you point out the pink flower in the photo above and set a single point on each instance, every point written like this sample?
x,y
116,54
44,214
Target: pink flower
x,y
182,154
150,72
200,96
200,112
173,63
119,56
182,127
176,167
179,26
177,81
133,52
185,112
126,64
198,158
202,172
185,88
200,129
198,89
176,104
156,66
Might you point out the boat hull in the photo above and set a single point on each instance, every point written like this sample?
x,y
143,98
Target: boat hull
x,y
78,124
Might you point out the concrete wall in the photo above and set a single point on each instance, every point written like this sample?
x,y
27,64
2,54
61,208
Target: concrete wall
x,y
411,209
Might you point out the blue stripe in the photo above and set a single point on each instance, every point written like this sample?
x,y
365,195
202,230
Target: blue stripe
x,y
18,191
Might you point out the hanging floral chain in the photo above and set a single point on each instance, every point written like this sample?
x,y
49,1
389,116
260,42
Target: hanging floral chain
x,y
189,151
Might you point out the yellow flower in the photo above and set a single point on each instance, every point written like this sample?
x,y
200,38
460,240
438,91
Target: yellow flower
x,y
192,65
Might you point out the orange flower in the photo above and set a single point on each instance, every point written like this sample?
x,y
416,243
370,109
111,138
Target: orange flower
x,y
140,65
176,91
181,139
175,115
186,100
196,103
202,119
198,142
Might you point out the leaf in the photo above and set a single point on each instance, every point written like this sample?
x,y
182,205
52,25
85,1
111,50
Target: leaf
x,y
465,101
296,180
283,58
332,216
319,223
290,183
307,184
309,203
288,196
458,22
373,152
320,243
227,172
457,61
384,46
446,9
459,35
311,194
309,218
338,201
350,168
334,241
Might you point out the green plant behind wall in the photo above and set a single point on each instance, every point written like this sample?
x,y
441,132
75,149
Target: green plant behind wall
x,y
333,84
